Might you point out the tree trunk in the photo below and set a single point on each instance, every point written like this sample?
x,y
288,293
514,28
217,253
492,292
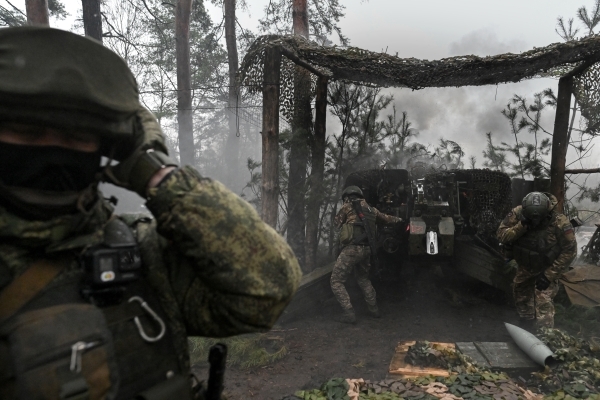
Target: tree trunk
x,y
301,127
92,19
184,82
560,141
232,146
37,12
270,137
300,18
315,197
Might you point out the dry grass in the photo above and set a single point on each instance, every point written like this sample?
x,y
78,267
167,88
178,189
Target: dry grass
x,y
247,351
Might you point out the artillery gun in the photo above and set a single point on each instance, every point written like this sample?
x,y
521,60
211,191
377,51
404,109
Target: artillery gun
x,y
451,216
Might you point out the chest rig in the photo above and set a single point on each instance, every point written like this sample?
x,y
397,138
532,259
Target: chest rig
x,y
354,232
98,331
537,249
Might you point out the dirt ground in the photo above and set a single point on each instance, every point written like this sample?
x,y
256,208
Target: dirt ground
x,y
416,304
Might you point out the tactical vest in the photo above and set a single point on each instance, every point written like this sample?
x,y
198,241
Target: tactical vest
x,y
535,250
65,344
355,233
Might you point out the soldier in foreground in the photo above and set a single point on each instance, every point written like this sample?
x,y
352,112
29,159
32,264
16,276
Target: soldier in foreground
x,y
542,242
352,220
95,305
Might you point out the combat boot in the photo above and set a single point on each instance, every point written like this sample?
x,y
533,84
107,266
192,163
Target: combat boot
x,y
374,311
348,317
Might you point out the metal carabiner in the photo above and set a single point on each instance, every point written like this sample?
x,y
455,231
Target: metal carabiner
x,y
150,311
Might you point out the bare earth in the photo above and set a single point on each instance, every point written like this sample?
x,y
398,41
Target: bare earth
x,y
416,304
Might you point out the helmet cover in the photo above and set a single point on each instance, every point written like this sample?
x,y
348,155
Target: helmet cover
x,y
352,190
58,79
536,206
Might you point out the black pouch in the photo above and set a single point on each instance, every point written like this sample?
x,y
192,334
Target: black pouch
x,y
60,352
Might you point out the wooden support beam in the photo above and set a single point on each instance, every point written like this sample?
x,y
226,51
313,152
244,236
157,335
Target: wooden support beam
x,y
270,136
37,12
315,196
582,171
560,140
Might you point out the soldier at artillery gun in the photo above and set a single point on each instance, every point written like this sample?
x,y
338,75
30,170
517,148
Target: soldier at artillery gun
x,y
357,223
542,243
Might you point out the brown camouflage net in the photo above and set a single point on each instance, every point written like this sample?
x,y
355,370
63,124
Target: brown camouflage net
x,y
364,67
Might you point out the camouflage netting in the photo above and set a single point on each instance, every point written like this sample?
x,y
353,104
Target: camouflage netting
x,y
587,92
379,69
488,193
576,376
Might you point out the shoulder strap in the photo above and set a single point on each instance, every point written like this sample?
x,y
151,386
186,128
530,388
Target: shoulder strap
x,y
26,286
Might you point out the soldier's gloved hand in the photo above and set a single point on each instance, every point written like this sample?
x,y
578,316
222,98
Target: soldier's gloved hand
x,y
148,157
542,282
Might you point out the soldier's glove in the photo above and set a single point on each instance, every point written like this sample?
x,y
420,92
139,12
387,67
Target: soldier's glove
x,y
149,156
542,282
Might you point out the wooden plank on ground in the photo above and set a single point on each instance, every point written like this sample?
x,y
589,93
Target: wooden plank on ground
x,y
398,366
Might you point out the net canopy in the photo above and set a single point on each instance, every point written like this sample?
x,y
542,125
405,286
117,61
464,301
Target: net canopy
x,y
380,69
362,67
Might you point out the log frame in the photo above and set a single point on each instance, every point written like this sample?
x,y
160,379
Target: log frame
x,y
270,136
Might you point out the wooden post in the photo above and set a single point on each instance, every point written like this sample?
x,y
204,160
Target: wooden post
x,y
560,140
270,136
37,12
92,19
315,197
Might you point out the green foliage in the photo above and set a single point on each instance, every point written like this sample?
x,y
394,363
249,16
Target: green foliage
x,y
578,374
12,16
247,351
57,9
323,19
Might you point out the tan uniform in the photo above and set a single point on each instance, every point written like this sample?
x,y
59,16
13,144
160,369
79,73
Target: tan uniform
x,y
355,257
548,248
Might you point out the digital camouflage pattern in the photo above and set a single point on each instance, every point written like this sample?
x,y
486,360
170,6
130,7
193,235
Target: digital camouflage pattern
x,y
532,303
347,215
217,268
355,259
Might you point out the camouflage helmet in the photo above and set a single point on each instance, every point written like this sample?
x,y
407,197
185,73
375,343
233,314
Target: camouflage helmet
x,y
536,206
58,79
352,191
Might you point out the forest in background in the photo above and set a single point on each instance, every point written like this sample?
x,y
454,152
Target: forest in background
x,y
186,66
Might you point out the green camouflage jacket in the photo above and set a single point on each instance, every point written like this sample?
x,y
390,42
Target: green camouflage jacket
x,y
347,215
559,232
217,268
